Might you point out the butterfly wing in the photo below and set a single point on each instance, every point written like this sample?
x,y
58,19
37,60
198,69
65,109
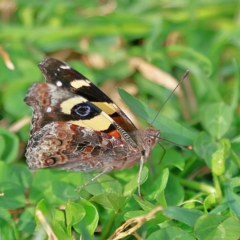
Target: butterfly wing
x,y
69,132
62,75
53,104
74,148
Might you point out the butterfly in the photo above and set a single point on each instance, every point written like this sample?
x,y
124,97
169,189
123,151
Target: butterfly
x,y
77,127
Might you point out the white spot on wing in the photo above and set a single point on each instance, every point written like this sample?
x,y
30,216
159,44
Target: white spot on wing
x,y
59,83
78,83
49,109
64,67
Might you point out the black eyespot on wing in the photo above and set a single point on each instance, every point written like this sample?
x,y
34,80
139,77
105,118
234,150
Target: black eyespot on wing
x,y
85,111
82,111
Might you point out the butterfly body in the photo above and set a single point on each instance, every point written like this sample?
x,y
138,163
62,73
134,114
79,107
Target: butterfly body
x,y
76,127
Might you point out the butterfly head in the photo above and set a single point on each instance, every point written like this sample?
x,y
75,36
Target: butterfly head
x,y
150,137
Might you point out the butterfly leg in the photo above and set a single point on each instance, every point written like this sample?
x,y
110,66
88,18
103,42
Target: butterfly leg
x,y
94,178
139,176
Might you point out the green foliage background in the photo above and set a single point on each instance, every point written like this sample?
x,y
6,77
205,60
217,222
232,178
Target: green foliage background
x,y
199,189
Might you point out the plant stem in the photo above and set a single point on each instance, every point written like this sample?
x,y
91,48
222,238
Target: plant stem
x,y
196,185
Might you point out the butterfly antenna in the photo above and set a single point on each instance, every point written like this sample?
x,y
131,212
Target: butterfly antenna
x,y
189,147
176,144
183,77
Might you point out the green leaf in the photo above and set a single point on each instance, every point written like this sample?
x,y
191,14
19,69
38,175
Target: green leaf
x,y
184,215
75,212
3,146
215,227
58,215
5,215
217,119
11,143
45,210
209,201
16,107
54,218
14,196
23,174
27,222
52,186
89,223
110,200
162,199
173,158
8,231
235,157
170,129
7,174
233,199
205,146
103,184
133,184
170,233
220,209
158,185
59,230
235,94
144,204
42,186
226,144
133,214
64,191
174,193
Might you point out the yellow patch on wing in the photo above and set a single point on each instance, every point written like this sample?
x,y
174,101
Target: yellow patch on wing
x,y
97,123
70,103
79,83
106,107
